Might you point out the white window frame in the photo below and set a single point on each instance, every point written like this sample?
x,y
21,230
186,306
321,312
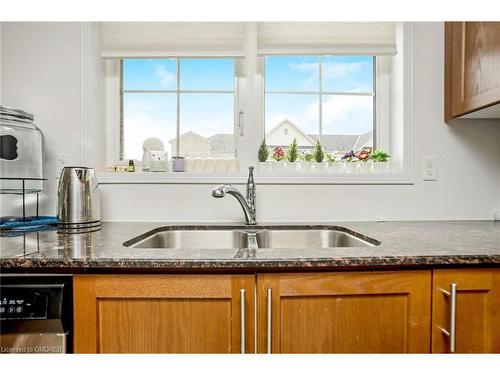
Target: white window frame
x,y
250,126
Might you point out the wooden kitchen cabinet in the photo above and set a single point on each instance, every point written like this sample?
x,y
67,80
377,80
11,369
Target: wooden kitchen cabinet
x,y
351,312
472,69
163,313
477,311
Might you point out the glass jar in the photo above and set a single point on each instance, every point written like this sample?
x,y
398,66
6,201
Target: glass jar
x,y
21,151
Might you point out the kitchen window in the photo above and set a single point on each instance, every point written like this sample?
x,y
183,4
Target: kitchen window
x,y
188,103
217,90
327,98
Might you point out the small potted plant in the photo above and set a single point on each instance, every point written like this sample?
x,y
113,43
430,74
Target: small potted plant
x,y
350,162
279,157
333,165
307,159
380,161
319,157
364,156
293,156
262,156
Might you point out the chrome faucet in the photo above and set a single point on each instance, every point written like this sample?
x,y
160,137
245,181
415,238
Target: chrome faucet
x,y
248,204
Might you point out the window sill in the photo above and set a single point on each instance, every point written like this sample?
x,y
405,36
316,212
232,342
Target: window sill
x,y
106,178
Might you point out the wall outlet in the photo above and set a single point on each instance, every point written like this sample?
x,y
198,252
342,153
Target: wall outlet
x,y
62,160
429,168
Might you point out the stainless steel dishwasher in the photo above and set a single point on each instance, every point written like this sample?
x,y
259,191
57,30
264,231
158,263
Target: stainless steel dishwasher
x,y
36,314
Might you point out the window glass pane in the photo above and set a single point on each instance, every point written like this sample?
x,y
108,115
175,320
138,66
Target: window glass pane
x,y
149,74
206,125
290,116
207,74
347,122
348,73
144,116
298,73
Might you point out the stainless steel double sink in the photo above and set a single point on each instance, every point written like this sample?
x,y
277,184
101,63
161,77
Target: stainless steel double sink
x,y
250,237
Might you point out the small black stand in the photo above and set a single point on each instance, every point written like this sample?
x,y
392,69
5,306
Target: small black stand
x,y
23,192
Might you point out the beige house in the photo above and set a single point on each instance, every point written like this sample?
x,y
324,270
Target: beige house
x,y
194,145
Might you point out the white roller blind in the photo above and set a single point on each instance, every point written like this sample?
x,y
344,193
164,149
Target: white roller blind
x,y
157,39
371,38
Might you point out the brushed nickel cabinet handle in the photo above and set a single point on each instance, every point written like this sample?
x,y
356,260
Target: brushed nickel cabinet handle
x,y
242,324
269,320
451,333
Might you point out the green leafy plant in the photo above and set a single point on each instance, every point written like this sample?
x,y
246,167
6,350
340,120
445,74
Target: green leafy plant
x,y
319,152
293,152
263,153
380,156
330,157
307,156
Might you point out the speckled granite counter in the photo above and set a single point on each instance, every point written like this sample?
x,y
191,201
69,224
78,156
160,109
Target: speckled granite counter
x,y
402,244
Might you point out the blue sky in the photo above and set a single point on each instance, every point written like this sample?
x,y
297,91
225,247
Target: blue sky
x,y
154,114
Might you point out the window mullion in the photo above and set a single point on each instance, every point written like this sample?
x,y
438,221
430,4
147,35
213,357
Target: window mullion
x,y
321,99
178,130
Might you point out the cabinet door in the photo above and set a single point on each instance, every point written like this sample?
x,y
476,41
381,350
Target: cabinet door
x,y
356,312
163,314
472,66
476,311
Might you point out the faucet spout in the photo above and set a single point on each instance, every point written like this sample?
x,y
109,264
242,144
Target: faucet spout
x,y
248,204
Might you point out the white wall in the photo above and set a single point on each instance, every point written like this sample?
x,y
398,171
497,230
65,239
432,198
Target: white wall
x,y
45,77
43,72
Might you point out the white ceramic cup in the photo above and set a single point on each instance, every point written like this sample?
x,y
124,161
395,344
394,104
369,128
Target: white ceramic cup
x,y
221,165
188,162
198,165
209,165
233,165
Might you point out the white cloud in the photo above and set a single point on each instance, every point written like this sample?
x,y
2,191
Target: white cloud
x,y
140,127
349,114
305,67
164,75
339,70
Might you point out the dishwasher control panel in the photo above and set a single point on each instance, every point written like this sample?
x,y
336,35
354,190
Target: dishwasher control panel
x,y
23,304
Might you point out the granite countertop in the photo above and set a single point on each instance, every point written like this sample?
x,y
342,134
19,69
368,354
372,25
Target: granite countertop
x,y
402,244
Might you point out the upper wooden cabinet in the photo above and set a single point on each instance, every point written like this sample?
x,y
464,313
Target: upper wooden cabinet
x,y
163,314
470,312
472,69
353,312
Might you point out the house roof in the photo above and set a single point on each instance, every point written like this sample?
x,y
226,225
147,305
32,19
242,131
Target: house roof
x,y
364,140
187,134
288,122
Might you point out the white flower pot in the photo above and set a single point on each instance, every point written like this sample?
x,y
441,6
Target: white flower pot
x,y
286,166
351,167
296,166
277,166
262,166
305,167
365,166
337,167
381,167
269,166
